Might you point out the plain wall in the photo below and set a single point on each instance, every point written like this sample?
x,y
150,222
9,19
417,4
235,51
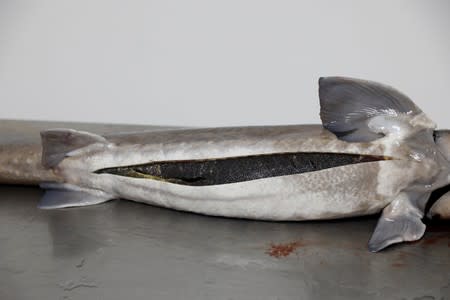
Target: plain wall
x,y
214,63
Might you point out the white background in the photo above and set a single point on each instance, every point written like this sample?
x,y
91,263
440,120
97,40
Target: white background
x,y
214,63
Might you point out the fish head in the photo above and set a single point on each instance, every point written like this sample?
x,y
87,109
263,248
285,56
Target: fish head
x,y
441,208
361,111
442,140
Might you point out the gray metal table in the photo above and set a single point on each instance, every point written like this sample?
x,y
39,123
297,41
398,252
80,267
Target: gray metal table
x,y
126,250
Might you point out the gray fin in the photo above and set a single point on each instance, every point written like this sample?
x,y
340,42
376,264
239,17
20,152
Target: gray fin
x,y
401,221
66,195
347,104
56,143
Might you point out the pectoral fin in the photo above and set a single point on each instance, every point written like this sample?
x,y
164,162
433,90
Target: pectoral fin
x,y
362,111
401,221
66,195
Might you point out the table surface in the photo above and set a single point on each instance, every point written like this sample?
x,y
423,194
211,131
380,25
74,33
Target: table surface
x,y
127,250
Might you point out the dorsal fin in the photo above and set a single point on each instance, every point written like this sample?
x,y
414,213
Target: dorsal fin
x,y
57,143
347,105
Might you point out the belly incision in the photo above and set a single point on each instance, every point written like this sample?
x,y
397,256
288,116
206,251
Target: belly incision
x,y
204,172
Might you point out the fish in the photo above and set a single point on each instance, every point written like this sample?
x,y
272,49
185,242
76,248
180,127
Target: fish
x,y
375,152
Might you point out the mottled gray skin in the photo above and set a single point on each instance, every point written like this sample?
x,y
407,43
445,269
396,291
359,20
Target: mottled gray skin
x,y
21,164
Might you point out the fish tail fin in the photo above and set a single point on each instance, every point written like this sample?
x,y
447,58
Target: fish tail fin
x,y
58,143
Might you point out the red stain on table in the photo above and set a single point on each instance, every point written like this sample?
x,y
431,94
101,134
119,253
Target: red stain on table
x,y
400,259
284,249
398,265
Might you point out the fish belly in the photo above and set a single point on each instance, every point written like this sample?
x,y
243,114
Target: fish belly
x,y
331,193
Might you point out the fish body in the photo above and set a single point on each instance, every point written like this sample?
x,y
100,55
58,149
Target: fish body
x,y
346,190
375,152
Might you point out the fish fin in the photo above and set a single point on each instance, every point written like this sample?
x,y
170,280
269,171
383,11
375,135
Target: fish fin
x,y
57,143
401,221
67,195
348,107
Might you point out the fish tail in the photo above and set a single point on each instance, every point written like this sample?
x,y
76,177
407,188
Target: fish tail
x,y
21,164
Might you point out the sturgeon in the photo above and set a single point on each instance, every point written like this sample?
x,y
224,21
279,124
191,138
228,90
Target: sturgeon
x,y
375,151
